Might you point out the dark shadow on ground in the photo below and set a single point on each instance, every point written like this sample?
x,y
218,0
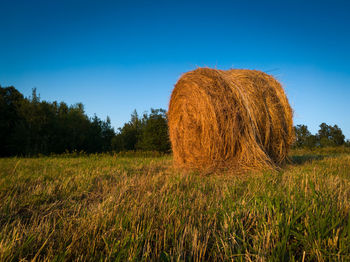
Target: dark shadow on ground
x,y
300,160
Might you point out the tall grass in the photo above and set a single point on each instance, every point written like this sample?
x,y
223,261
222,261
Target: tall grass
x,y
103,207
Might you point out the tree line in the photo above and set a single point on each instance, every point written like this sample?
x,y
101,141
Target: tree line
x,y
327,136
148,133
29,126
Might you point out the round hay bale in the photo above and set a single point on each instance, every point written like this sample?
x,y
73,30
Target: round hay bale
x,y
232,119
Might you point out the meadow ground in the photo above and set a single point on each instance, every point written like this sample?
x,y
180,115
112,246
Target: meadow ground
x,y
118,208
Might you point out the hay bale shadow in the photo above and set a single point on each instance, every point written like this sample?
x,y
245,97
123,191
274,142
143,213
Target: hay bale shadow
x,y
300,160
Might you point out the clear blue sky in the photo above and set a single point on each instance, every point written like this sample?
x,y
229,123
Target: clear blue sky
x,y
116,56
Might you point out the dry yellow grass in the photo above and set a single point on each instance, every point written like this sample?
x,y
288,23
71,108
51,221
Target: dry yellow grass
x,y
105,208
234,119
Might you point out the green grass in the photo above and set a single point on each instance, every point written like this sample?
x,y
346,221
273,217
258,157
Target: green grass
x,y
119,208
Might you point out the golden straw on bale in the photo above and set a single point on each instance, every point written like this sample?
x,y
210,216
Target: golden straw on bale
x,y
233,119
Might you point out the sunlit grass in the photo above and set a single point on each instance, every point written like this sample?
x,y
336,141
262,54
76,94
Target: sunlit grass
x,y
119,208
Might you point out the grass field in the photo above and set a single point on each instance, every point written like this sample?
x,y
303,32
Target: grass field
x,y
119,208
